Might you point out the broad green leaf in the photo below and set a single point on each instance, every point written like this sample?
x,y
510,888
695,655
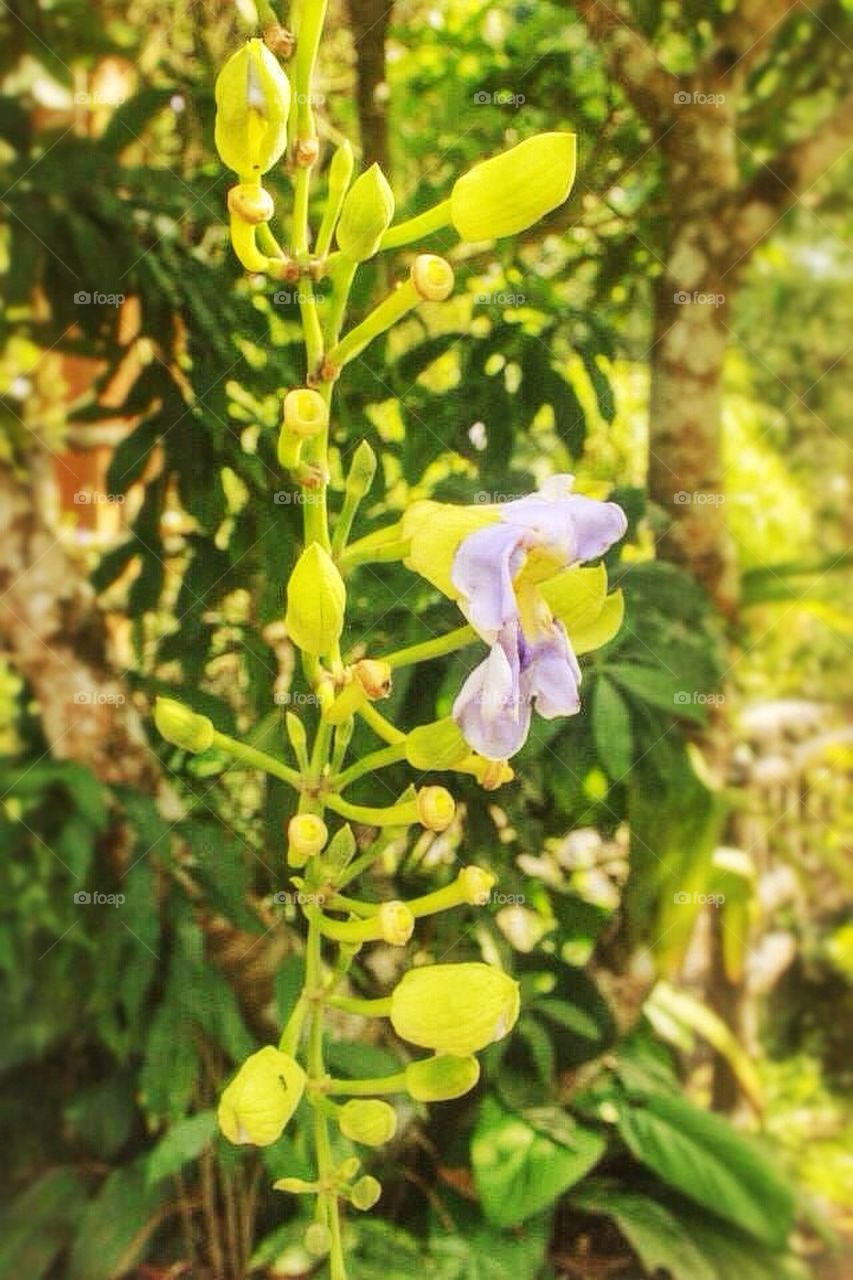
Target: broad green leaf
x,y
181,1143
611,727
689,1011
661,689
518,1171
37,1225
115,1227
660,1240
707,1160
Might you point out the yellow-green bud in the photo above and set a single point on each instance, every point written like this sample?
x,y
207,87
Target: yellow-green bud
x,y
454,1008
510,192
318,1239
297,735
306,836
365,1193
306,413
252,105
432,277
439,745
182,727
366,215
348,1168
476,885
442,1078
396,922
368,1121
436,808
251,203
362,470
259,1101
316,602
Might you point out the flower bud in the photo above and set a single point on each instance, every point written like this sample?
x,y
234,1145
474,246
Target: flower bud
x,y
368,1121
374,676
251,203
432,277
362,470
316,602
318,1239
348,1168
436,808
454,1008
476,885
252,105
259,1101
442,1078
439,745
306,413
306,836
340,169
396,922
366,215
297,735
365,1193
182,727
510,192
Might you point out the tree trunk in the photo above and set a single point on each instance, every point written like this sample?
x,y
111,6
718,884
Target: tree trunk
x,y
370,20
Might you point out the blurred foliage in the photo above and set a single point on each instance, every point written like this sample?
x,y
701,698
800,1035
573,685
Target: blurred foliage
x,y
121,1020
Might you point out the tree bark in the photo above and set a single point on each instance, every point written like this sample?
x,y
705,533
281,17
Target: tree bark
x,y
370,20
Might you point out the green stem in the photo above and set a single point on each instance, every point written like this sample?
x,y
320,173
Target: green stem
x,y
365,1008
257,759
391,309
386,554
381,727
427,649
423,224
367,764
367,1087
397,815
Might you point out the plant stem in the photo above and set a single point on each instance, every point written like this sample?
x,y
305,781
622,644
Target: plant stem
x,y
416,228
436,648
379,1008
367,764
381,727
257,759
367,1088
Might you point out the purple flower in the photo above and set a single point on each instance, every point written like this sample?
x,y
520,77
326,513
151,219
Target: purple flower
x,y
496,571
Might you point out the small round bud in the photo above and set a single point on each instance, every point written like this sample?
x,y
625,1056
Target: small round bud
x,y
432,277
306,836
305,413
374,677
368,1121
441,1078
365,1193
182,727
396,922
348,1168
436,808
318,1239
253,204
476,885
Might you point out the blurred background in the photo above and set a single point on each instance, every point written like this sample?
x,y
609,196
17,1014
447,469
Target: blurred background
x,y
675,861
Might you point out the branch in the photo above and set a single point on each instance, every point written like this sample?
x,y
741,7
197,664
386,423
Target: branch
x,y
792,172
742,36
631,60
370,20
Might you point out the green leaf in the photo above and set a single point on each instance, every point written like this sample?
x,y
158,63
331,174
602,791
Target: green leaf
x,y
181,1143
518,1170
707,1160
660,1240
484,1254
115,1227
37,1225
659,688
611,727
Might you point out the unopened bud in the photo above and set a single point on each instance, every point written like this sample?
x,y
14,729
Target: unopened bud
x,y
510,192
252,106
454,1008
341,851
441,1078
439,745
366,215
348,1168
432,277
251,203
305,412
476,885
436,808
396,923
296,734
318,1239
182,727
259,1101
365,1193
368,1121
316,602
306,836
340,169
362,470
374,676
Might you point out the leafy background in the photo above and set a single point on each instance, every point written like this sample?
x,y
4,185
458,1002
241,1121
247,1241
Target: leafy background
x,y
591,1147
